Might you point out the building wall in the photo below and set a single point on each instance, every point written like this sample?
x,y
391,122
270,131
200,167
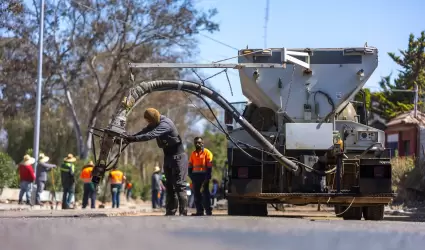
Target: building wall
x,y
403,138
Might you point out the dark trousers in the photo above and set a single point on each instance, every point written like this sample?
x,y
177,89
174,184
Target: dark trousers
x,y
175,170
161,199
68,193
40,189
128,194
89,192
202,200
155,199
115,191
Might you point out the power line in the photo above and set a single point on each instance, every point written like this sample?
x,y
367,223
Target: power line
x,y
266,20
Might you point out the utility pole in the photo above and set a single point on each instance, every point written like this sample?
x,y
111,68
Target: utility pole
x,y
415,113
39,84
266,20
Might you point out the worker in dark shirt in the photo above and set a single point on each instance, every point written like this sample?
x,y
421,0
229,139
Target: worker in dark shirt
x,y
41,177
68,180
165,132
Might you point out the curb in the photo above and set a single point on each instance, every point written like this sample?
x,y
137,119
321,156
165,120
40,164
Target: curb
x,y
70,214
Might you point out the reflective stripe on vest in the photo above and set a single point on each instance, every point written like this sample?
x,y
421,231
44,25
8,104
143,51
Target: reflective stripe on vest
x,y
200,162
70,167
86,174
116,177
199,169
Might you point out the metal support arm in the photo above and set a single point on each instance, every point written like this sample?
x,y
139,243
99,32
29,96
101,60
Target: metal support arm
x,y
206,65
286,55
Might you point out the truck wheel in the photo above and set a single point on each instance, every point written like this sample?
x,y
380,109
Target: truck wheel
x,y
237,209
258,209
373,212
246,209
353,213
338,210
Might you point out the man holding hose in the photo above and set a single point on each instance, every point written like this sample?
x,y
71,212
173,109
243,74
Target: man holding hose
x,y
167,137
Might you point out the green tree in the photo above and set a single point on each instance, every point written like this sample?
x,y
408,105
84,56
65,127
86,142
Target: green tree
x,y
412,63
8,174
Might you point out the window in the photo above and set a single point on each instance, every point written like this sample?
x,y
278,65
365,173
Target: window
x,y
393,146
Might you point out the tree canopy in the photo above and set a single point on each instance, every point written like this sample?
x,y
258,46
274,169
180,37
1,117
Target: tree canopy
x,y
412,64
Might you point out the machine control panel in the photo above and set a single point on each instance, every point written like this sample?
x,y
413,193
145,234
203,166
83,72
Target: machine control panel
x,y
367,136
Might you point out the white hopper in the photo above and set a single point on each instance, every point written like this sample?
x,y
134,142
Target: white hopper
x,y
338,72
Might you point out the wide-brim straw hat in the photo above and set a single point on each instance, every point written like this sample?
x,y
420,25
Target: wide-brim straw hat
x,y
156,169
43,158
90,164
70,158
28,160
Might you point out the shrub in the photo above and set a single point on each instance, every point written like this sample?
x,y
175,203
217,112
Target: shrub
x,y
407,178
8,174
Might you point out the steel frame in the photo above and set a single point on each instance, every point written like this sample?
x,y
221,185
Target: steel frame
x,y
287,55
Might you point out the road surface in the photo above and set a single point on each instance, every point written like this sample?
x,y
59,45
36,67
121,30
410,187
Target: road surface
x,y
216,232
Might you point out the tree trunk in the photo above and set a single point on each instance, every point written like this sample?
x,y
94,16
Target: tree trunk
x,y
142,175
88,147
133,157
125,156
77,127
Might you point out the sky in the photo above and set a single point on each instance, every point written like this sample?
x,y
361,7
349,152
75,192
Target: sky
x,y
384,24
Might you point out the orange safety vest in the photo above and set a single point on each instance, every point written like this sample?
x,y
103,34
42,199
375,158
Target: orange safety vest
x,y
85,175
200,162
116,177
129,185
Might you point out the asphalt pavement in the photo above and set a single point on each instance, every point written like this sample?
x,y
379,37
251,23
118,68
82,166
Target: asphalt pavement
x,y
215,232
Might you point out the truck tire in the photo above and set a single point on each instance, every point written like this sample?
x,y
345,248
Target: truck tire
x,y
246,209
353,213
258,209
338,210
373,212
237,209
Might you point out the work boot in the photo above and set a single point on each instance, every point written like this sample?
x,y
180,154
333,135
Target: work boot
x,y
183,203
197,214
170,213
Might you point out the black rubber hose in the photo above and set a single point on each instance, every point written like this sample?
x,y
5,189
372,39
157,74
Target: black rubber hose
x,y
145,88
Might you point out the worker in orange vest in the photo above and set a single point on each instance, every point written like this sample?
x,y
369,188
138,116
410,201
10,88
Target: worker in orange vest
x,y
88,190
128,189
200,169
116,179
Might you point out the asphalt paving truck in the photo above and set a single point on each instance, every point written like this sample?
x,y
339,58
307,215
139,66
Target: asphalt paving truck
x,y
301,138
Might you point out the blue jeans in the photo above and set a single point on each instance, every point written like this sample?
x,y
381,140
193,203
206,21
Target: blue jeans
x,y
89,193
129,194
68,194
115,190
25,187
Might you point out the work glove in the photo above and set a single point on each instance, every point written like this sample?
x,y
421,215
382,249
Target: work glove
x,y
130,138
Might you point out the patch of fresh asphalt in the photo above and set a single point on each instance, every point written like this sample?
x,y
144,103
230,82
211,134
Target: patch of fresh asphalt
x,y
216,232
